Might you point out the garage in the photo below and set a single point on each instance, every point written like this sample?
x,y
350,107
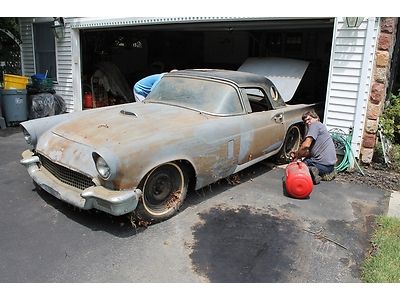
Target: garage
x,y
347,61
147,48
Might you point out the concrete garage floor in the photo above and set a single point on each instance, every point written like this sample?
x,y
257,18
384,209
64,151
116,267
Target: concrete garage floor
x,y
246,231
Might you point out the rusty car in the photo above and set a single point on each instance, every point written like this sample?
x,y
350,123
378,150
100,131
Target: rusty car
x,y
195,128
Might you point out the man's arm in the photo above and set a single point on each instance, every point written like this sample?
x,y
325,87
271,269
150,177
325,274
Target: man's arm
x,y
304,150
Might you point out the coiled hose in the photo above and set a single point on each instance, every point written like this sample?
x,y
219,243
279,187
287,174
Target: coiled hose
x,y
342,143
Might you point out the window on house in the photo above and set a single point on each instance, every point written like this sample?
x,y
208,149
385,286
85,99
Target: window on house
x,y
45,50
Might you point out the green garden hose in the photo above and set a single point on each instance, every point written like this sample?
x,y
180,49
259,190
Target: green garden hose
x,y
342,143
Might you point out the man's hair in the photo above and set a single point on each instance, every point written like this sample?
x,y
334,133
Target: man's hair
x,y
310,113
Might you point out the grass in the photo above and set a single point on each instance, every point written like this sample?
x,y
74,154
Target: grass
x,y
383,263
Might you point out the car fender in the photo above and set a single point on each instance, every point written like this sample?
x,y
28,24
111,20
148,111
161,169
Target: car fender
x,y
37,127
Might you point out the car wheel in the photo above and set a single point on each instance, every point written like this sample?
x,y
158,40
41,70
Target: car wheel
x,y
164,190
292,143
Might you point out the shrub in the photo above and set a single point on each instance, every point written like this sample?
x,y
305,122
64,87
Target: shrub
x,y
395,157
390,119
378,154
390,125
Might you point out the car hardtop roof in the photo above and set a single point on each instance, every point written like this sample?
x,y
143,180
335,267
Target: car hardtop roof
x,y
242,79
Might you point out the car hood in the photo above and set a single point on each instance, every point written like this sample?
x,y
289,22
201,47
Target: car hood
x,y
119,124
285,73
138,131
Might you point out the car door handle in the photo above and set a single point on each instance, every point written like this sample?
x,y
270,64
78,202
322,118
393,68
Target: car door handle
x,y
278,118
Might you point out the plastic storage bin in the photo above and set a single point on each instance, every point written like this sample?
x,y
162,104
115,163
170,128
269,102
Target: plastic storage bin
x,y
45,84
14,106
14,81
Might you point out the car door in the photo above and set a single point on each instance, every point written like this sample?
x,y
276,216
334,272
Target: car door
x,y
262,129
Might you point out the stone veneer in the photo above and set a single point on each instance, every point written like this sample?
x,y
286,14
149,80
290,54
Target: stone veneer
x,y
377,96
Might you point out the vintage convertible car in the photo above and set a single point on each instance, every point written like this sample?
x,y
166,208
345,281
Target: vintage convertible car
x,y
196,126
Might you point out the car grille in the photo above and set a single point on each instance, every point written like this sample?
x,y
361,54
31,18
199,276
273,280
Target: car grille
x,y
66,175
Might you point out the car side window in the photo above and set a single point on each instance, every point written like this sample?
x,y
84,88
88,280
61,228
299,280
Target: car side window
x,y
257,99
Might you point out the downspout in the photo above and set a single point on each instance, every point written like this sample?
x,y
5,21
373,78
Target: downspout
x,y
363,91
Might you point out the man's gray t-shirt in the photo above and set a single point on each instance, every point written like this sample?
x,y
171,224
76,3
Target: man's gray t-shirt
x,y
322,148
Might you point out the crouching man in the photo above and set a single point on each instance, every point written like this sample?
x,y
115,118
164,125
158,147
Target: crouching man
x,y
317,149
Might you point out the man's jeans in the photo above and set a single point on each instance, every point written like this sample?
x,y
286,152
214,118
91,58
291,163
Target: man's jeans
x,y
323,169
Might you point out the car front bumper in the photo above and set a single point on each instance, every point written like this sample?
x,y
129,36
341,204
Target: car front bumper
x,y
113,202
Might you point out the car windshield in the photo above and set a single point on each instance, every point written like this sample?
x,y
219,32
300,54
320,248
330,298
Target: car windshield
x,y
195,93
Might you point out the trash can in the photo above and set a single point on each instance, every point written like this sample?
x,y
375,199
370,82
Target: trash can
x,y
14,106
2,121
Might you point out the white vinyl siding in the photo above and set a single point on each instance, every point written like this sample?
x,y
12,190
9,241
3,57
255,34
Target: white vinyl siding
x,y
349,79
28,54
64,85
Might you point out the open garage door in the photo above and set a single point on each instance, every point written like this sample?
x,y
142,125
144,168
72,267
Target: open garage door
x,y
141,50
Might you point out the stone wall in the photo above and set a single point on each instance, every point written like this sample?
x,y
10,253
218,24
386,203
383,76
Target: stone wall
x,y
377,96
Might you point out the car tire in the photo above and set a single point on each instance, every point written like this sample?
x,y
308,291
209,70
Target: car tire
x,y
164,190
291,143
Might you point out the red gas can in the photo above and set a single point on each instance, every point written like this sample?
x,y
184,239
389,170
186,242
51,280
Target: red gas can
x,y
298,181
88,100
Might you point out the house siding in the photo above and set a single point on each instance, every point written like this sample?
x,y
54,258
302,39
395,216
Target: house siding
x,y
349,79
27,55
63,87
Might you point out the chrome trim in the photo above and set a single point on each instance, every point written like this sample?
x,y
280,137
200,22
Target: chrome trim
x,y
113,202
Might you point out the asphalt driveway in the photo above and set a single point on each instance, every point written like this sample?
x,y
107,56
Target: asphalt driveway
x,y
241,230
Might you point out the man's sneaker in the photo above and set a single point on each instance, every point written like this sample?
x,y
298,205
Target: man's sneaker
x,y
329,176
314,172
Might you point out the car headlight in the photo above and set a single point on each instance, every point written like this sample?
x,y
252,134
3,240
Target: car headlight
x,y
29,134
106,163
102,167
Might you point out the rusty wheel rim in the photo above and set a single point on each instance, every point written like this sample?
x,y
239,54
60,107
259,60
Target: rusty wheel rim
x,y
292,141
162,188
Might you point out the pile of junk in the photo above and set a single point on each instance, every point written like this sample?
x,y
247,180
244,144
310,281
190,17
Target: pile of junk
x,y
107,86
43,99
23,98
